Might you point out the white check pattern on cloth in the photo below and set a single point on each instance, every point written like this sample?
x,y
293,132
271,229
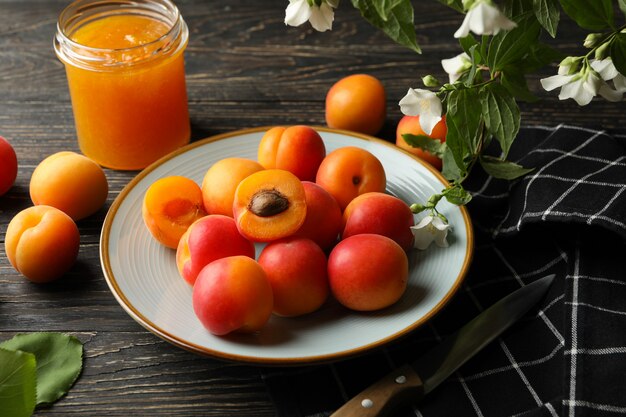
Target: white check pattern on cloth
x,y
567,357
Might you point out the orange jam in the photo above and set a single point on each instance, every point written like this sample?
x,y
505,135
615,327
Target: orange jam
x,y
127,88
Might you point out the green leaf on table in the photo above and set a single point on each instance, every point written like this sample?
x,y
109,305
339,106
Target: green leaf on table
x,y
548,13
59,361
499,168
396,22
455,4
17,383
618,52
509,46
457,195
590,14
501,114
426,143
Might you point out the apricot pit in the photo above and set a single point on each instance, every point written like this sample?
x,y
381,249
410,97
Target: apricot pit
x,y
269,205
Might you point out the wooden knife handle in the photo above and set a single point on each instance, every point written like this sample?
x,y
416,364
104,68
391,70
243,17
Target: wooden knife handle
x,y
401,386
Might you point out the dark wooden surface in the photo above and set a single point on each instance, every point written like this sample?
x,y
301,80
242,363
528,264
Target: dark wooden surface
x,y
245,68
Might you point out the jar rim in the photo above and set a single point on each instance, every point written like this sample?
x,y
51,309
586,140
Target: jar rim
x,y
77,53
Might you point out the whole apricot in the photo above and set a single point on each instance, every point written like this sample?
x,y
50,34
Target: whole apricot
x,y
8,166
42,243
210,238
170,205
350,171
232,294
367,272
269,205
381,214
297,149
70,182
357,102
296,270
221,181
323,221
411,125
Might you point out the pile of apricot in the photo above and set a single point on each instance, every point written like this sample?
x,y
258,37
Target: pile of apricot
x,y
326,221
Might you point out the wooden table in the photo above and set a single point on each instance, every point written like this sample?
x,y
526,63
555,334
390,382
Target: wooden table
x,y
245,68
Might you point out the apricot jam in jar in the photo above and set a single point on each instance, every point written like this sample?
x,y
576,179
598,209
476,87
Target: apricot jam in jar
x,y
126,75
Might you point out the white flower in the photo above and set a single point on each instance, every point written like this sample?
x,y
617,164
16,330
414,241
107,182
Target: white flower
x,y
483,18
608,72
321,17
456,66
422,103
430,228
582,86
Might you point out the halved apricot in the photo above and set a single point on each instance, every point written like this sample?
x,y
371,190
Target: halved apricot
x,y
170,205
269,205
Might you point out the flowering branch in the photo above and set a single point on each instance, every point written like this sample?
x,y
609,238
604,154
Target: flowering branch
x,y
491,72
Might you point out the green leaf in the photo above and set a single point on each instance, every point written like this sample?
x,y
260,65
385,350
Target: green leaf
x,y
476,61
396,22
385,6
515,8
594,15
540,55
548,13
59,361
17,383
455,4
469,41
501,114
449,169
509,46
622,5
426,143
618,52
457,195
515,82
499,168
464,116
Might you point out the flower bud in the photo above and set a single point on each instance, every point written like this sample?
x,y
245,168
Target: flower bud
x,y
430,81
592,40
602,51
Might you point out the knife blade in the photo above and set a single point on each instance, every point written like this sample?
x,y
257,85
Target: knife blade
x,y
410,382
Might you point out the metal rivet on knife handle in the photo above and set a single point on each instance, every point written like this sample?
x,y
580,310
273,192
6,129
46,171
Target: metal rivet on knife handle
x,y
382,397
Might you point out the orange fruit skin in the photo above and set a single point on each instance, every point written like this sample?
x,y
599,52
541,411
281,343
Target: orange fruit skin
x,y
358,103
410,124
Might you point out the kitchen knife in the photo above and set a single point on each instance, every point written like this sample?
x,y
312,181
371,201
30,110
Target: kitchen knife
x,y
410,382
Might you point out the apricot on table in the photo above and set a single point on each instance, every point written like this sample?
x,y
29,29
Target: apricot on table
x,y
411,124
297,149
382,214
269,205
70,182
350,171
8,165
296,270
232,294
323,221
367,272
42,243
221,181
357,102
170,205
208,239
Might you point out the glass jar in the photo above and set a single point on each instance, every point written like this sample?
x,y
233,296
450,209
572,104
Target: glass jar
x,y
126,76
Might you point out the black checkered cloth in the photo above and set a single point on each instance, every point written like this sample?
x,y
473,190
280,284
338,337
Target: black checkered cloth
x,y
567,357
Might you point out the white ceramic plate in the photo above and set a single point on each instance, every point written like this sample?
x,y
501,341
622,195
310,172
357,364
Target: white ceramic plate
x,y
143,277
